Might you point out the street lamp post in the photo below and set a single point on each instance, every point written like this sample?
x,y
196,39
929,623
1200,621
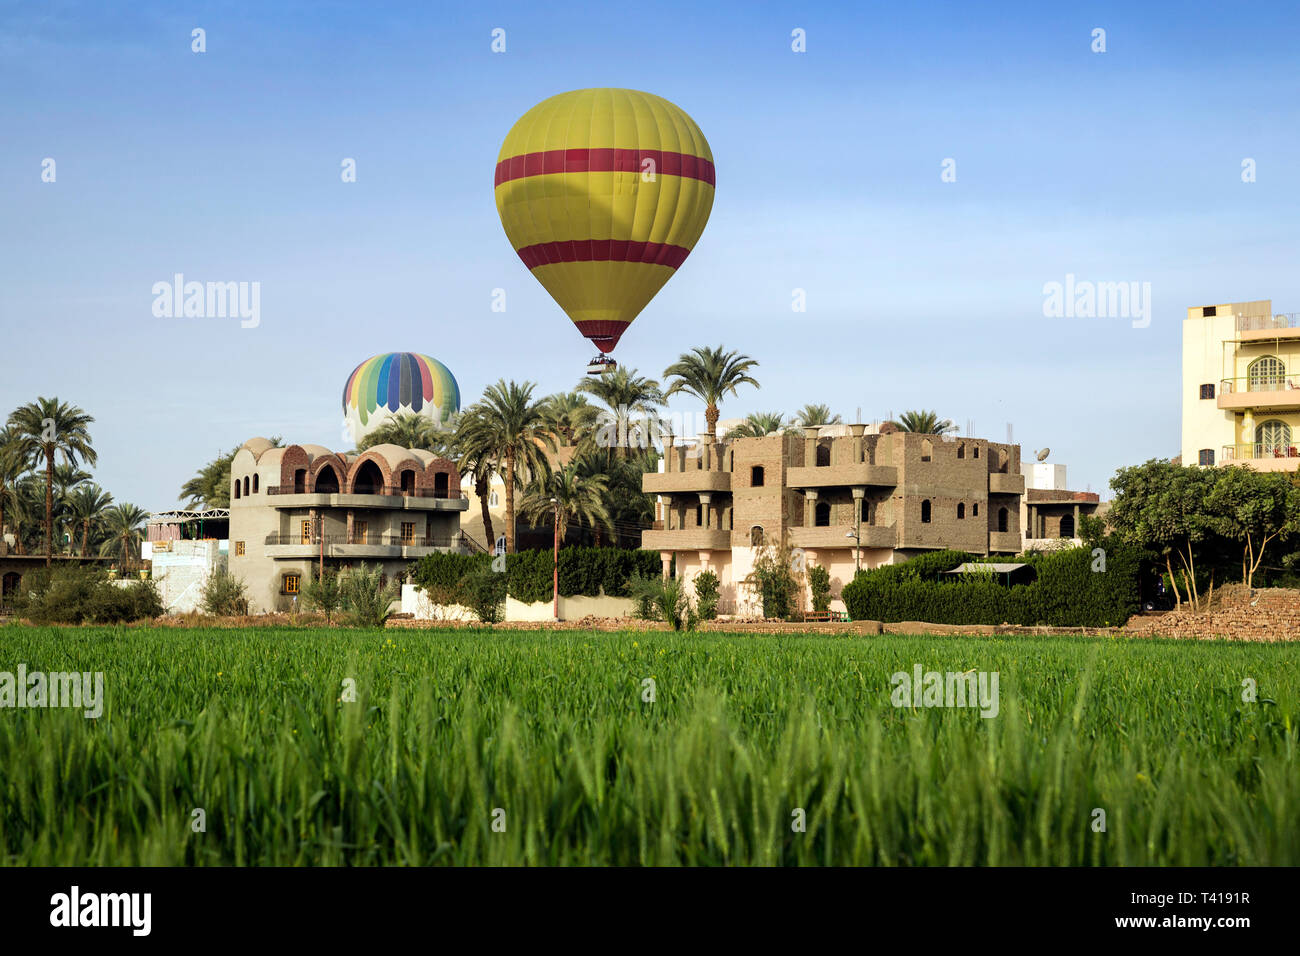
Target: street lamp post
x,y
555,580
857,545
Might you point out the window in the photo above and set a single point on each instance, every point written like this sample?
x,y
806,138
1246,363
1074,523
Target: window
x,y
961,451
255,484
408,482
245,486
238,485
756,476
290,583
823,456
1067,526
1002,519
975,510
408,532
1273,440
755,536
327,481
369,480
360,532
493,500
239,549
927,449
822,514
699,516
1210,311
441,485
961,510
300,481
1205,457
1207,391
306,531
977,452
925,512
1265,374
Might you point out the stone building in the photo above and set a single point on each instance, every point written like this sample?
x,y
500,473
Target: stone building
x,y
295,509
845,500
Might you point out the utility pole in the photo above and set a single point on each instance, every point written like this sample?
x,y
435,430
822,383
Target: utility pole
x,y
555,581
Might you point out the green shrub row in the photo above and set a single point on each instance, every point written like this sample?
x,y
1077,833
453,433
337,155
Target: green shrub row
x,y
528,574
84,595
1074,588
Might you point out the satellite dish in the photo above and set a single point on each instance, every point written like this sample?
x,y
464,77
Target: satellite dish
x,y
1042,455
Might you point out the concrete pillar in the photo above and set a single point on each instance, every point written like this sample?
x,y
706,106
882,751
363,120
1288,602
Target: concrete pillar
x,y
856,431
668,451
858,495
666,559
1033,521
1076,521
809,507
706,499
810,446
351,515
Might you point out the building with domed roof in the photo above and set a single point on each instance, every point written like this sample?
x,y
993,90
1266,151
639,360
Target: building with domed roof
x,y
298,508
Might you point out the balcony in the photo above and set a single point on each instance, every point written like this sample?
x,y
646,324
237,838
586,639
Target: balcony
x,y
1262,456
685,482
687,539
1263,392
388,496
298,545
1003,483
842,476
1280,325
836,536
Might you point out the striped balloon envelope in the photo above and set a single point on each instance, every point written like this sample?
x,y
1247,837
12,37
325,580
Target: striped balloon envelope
x,y
603,193
384,386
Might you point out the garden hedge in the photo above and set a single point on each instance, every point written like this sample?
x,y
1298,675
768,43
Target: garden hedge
x,y
583,571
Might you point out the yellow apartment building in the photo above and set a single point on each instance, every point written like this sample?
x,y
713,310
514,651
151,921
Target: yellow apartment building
x,y
1241,386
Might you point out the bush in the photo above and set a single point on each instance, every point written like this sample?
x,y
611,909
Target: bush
x,y
706,595
1071,590
819,582
644,591
774,579
484,590
79,594
224,594
367,596
528,576
324,593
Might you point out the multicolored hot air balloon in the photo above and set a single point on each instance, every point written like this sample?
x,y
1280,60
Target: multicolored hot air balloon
x,y
603,193
384,385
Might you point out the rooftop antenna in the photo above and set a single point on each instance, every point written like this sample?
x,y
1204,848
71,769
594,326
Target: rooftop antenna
x,y
1010,440
1042,455
858,419
970,428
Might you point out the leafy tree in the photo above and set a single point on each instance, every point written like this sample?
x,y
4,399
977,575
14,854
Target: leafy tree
x,y
710,374
627,397
409,430
224,594
13,466
819,583
484,592
476,455
706,595
512,426
46,429
775,581
923,421
325,593
1254,508
571,418
1163,506
367,596
758,425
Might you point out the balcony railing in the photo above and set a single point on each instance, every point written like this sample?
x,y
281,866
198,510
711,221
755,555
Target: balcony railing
x,y
1260,323
390,490
377,540
1259,449
1259,383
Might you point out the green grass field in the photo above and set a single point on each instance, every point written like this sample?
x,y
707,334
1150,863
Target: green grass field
x,y
551,729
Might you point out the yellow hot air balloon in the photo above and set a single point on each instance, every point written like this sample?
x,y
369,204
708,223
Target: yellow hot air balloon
x,y
603,193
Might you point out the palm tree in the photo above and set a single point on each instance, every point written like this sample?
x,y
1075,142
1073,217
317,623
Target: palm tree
x,y
87,504
571,494
25,506
626,395
409,430
513,426
46,428
814,414
476,455
66,479
758,425
571,417
709,375
924,422
12,468
125,526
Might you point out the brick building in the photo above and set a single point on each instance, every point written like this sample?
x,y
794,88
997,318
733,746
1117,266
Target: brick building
x,y
294,508
869,498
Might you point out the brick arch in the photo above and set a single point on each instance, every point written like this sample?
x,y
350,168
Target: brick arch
x,y
440,466
333,461
357,465
295,457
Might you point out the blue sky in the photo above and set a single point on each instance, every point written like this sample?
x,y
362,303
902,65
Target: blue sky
x,y
224,166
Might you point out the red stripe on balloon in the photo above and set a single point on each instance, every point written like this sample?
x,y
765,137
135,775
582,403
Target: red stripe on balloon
x,y
604,333
603,250
603,161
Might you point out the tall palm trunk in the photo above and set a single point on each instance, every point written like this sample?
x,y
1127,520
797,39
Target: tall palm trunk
x,y
85,536
484,490
49,504
711,420
510,501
